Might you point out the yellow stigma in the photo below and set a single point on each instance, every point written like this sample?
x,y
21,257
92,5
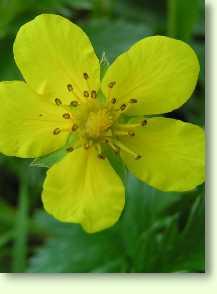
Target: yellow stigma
x,y
98,123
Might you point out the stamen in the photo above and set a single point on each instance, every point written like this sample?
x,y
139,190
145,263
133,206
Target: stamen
x,y
69,149
128,126
111,84
113,146
99,150
101,156
127,150
133,100
114,100
58,101
124,133
131,133
93,94
74,127
66,115
85,74
74,103
69,87
86,146
86,94
144,123
56,131
123,107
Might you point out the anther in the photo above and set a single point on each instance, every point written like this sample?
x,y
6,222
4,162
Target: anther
x,y
56,131
86,146
85,75
69,87
133,100
86,94
66,115
74,103
74,127
138,157
123,107
111,84
69,149
58,101
101,156
131,133
144,122
114,100
93,94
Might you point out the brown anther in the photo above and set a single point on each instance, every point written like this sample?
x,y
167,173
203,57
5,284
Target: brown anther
x,y
117,150
93,94
131,133
101,156
114,100
40,115
144,122
123,107
58,101
86,94
56,131
74,127
138,157
111,84
85,74
69,87
133,100
106,141
69,149
66,115
74,103
86,146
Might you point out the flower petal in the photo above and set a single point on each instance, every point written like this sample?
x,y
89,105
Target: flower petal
x,y
27,122
172,154
51,53
84,189
160,72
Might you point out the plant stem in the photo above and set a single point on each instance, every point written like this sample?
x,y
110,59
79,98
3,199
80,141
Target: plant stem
x,y
21,229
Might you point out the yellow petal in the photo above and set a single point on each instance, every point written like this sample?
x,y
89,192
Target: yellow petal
x,y
51,53
172,154
27,122
84,189
160,72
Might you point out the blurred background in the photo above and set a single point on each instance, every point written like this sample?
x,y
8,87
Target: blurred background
x,y
158,232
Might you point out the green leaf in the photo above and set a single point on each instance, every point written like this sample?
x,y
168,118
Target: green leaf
x,y
114,37
182,18
166,247
76,251
50,159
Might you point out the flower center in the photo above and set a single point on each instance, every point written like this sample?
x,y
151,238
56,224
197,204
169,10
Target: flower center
x,y
98,123
95,123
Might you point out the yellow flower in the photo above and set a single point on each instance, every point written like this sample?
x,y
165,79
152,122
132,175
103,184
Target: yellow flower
x,y
62,96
